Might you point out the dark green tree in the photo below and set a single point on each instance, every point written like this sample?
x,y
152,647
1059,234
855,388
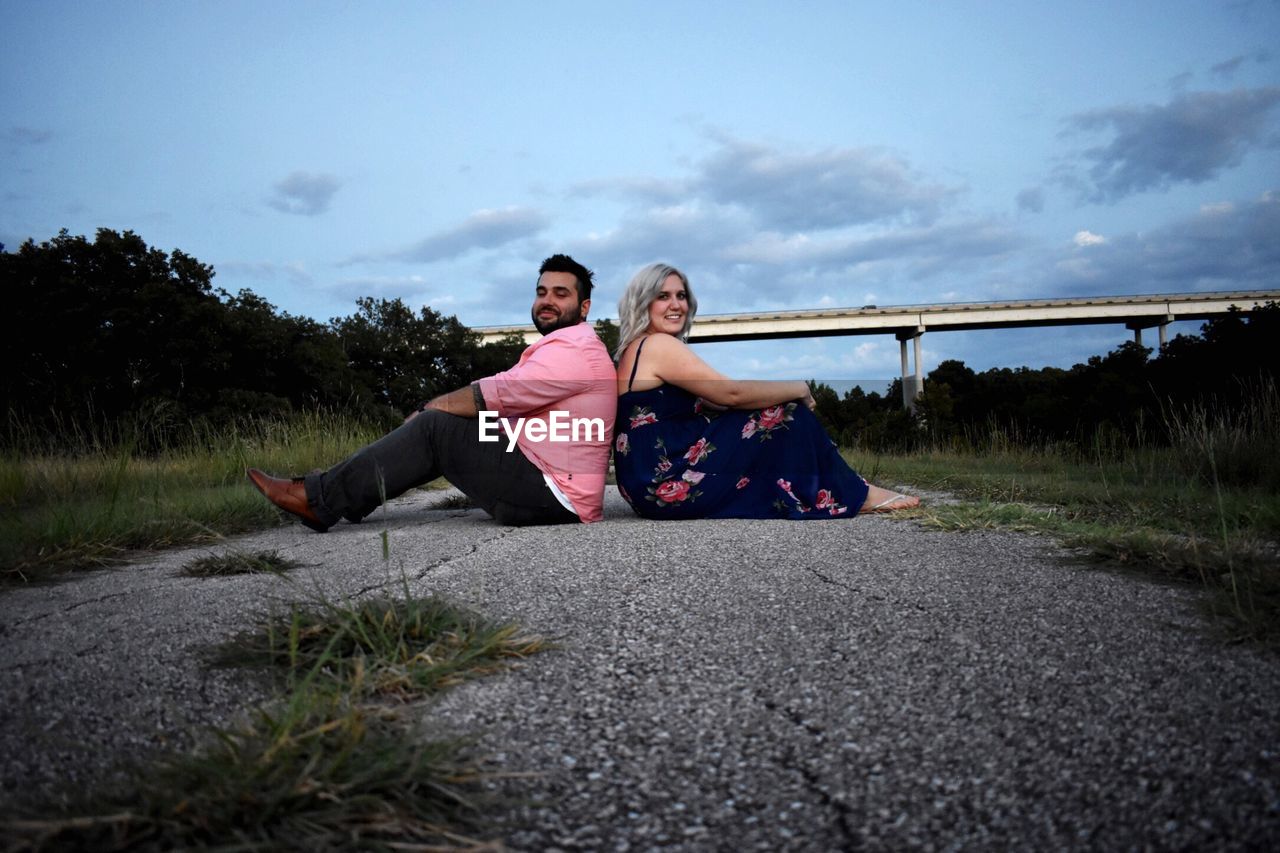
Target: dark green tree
x,y
106,327
607,331
406,358
275,363
827,407
495,357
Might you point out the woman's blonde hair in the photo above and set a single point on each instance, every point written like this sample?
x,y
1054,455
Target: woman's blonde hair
x,y
633,307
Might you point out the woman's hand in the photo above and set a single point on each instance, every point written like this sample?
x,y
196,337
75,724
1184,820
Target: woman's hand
x,y
808,400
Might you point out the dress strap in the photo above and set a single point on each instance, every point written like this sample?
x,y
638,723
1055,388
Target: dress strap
x,y
635,364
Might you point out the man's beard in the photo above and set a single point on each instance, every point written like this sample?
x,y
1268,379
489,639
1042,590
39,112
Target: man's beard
x,y
568,318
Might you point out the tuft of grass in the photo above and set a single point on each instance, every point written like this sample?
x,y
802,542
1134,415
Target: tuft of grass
x,y
239,563
388,647
316,775
326,769
458,501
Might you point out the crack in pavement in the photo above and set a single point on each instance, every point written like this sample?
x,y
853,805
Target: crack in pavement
x,y
843,813
827,579
443,561
858,591
77,605
47,662
502,534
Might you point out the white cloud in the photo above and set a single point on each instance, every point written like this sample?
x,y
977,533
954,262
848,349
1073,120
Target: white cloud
x,y
1031,200
305,193
771,247
1222,248
832,188
1077,270
1191,139
483,229
1088,238
29,135
230,271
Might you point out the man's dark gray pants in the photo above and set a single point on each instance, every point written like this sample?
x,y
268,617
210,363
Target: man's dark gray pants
x,y
436,444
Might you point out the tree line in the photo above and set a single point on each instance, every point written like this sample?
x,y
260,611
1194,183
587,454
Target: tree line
x,y
103,329
1126,395
96,331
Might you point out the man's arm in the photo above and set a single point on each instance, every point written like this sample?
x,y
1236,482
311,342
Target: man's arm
x,y
464,402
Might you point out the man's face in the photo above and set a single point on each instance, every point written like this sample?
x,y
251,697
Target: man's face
x,y
555,303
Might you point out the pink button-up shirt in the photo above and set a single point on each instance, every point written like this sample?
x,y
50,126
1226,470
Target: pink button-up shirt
x,y
568,373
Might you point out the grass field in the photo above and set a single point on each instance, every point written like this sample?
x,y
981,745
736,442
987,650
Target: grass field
x,y
1204,509
96,502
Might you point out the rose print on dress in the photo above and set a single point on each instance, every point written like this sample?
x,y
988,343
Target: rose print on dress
x,y
622,444
773,416
641,415
765,421
785,485
827,501
698,451
671,492
664,463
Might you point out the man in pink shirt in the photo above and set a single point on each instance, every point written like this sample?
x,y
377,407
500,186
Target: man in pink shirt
x,y
529,445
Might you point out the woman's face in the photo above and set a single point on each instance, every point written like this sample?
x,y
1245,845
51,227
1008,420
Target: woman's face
x,y
669,309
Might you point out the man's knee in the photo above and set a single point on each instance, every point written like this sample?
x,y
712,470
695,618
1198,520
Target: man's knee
x,y
441,429
427,420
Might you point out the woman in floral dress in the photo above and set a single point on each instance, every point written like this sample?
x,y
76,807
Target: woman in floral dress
x,y
692,443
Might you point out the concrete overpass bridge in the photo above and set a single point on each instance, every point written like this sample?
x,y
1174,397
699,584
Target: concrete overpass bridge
x,y
908,323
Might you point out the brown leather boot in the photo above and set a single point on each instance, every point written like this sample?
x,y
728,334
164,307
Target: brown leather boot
x,y
290,495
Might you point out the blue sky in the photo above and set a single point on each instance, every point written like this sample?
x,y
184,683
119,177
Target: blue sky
x,y
784,155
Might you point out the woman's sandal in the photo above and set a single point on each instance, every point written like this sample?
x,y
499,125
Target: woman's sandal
x,y
887,505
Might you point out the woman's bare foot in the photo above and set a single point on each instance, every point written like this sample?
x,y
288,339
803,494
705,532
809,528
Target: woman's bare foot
x,y
883,500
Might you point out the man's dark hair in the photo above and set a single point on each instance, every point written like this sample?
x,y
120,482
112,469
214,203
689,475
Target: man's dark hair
x,y
564,263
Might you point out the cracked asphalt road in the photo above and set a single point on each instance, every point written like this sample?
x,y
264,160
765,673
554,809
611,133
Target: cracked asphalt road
x,y
722,685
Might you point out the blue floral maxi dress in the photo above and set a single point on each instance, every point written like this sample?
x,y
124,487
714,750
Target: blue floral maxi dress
x,y
676,458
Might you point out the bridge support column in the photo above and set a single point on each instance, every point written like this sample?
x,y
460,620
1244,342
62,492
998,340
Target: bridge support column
x,y
1162,327
912,383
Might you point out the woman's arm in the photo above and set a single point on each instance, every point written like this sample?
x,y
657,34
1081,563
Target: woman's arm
x,y
672,361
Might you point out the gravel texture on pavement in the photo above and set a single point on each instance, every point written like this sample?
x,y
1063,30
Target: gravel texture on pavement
x,y
720,685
